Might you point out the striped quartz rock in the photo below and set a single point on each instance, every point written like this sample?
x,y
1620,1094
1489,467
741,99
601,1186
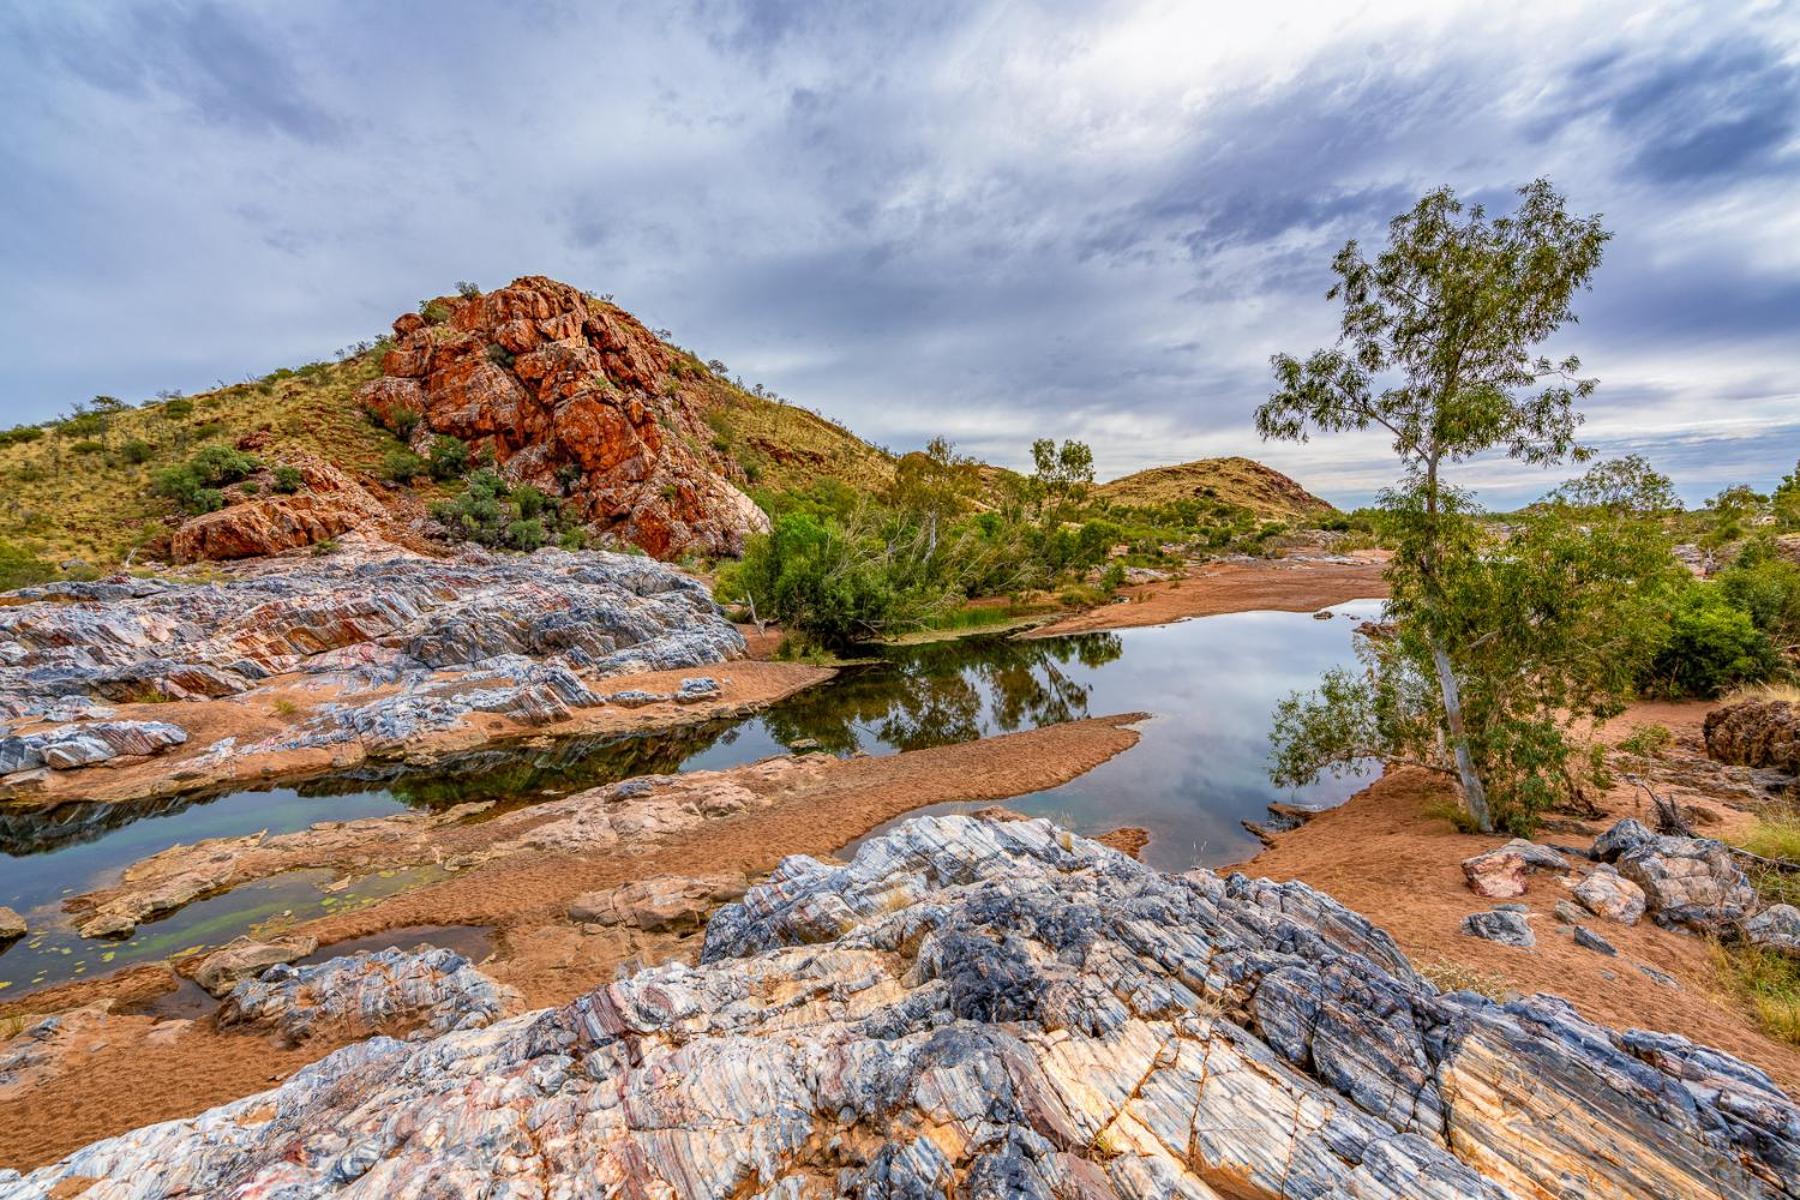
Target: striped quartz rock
x,y
998,1010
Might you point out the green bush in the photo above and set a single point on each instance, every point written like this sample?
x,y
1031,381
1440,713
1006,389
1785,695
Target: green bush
x,y
88,446
403,466
287,480
435,312
21,568
178,409
194,485
449,457
1712,646
490,513
20,434
137,451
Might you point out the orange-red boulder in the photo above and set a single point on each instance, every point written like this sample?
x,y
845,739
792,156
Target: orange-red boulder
x,y
329,504
575,397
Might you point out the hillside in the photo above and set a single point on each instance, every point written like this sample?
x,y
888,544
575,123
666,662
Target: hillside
x,y
1235,480
638,441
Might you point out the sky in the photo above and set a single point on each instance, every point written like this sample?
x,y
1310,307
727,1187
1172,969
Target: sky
x,y
993,222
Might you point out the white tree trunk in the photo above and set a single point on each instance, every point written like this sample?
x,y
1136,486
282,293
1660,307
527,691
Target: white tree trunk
x,y
1474,794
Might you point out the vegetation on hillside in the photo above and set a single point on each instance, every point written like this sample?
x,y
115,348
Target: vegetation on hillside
x,y
1243,482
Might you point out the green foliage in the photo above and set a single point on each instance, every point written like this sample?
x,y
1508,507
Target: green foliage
x,y
490,513
819,580
402,466
1712,645
449,457
88,447
1062,473
467,290
21,568
1767,588
435,312
137,451
1496,643
19,435
194,485
1647,741
287,480
1784,502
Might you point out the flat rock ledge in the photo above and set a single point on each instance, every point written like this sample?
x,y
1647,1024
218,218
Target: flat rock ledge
x,y
997,1010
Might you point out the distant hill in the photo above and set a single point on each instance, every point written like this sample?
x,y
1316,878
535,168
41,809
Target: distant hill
x,y
646,443
1235,480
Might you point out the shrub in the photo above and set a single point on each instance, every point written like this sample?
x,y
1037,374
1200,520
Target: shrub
x,y
449,457
217,465
1712,646
1647,741
287,480
178,409
403,466
467,290
20,434
208,429
137,451
435,312
21,568
491,514
88,446
250,487
194,485
500,355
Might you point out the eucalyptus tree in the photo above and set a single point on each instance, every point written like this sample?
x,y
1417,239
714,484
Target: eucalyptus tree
x,y
1440,349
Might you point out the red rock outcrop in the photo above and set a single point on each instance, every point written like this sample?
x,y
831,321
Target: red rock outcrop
x,y
575,397
329,503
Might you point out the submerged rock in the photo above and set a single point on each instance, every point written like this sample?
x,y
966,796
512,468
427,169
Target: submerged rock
x,y
12,925
993,1009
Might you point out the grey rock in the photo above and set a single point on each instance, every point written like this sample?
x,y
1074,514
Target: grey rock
x,y
244,958
363,993
1507,928
64,747
994,1009
1623,836
1776,927
1569,914
692,691
638,698
1662,977
1689,882
1593,941
1606,893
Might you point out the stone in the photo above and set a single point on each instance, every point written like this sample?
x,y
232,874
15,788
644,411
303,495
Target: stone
x,y
662,903
329,505
1507,928
1693,883
637,698
693,691
1755,733
574,396
993,1009
12,925
1606,893
1623,836
432,988
79,744
1593,941
245,958
1501,872
1662,978
1569,914
1776,927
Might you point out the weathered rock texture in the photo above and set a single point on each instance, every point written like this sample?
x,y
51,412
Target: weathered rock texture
x,y
575,397
434,988
1500,872
999,1010
1692,882
245,958
408,645
329,504
1755,733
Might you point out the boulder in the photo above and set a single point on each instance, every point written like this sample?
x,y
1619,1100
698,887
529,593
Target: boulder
x,y
245,958
1623,836
359,994
662,903
1606,893
1689,882
1755,733
693,691
991,1009
1507,928
1776,927
1501,872
331,504
12,925
577,398
80,744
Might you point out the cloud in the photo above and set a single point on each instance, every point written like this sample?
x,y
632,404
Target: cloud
x,y
994,221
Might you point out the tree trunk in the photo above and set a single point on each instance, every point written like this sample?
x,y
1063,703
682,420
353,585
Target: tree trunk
x,y
1474,795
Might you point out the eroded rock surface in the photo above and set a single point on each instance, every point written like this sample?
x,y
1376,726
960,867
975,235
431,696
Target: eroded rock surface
x,y
999,1009
406,645
1691,882
575,397
245,958
432,987
1500,872
328,504
1755,733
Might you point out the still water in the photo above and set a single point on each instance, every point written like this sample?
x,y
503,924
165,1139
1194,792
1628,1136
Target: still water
x,y
1199,770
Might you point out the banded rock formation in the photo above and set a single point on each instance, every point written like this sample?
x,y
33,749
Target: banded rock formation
x,y
575,397
998,1010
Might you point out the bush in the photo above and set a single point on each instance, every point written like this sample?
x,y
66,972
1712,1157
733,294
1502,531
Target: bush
x,y
218,465
88,446
467,290
1646,741
449,457
435,312
137,451
287,480
21,568
489,513
194,485
20,434
1712,646
403,466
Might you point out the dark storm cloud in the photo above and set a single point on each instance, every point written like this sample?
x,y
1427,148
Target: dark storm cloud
x,y
993,221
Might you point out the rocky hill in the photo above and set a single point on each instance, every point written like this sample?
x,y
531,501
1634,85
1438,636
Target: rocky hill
x,y
1235,480
641,440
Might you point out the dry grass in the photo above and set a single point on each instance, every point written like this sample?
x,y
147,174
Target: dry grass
x,y
1240,481
61,503
787,448
1785,692
1768,983
1448,976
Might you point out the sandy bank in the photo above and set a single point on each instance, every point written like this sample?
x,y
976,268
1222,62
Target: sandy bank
x,y
1282,585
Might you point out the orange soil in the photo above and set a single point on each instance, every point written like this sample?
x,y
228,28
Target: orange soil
x,y
1382,856
1284,585
526,899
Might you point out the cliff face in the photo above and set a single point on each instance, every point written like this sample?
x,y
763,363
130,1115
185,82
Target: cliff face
x,y
573,396
991,1010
